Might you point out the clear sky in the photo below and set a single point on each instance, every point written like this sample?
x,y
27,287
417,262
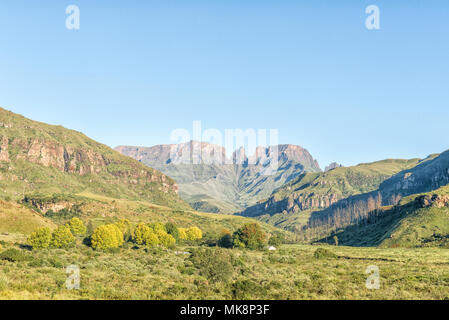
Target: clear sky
x,y
136,70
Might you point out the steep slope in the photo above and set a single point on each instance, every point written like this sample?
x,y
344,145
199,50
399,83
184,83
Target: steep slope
x,y
37,157
291,205
211,182
417,221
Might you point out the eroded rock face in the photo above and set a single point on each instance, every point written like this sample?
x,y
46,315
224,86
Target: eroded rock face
x,y
77,161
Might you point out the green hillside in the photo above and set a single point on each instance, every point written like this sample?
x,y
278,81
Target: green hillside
x,y
291,205
417,221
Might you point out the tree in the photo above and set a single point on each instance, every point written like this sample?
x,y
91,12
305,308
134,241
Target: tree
x,y
182,233
144,235
77,227
172,230
166,239
62,237
141,232
194,233
250,236
225,239
40,239
107,236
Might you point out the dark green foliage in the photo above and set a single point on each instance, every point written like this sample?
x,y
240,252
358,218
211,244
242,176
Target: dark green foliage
x,y
172,230
13,255
226,241
215,264
322,253
245,289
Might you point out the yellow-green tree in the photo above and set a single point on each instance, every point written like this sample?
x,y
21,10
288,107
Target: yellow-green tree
x,y
194,233
182,233
40,238
107,236
167,240
62,237
144,235
77,227
141,233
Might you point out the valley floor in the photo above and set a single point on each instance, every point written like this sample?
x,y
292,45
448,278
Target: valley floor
x,y
292,272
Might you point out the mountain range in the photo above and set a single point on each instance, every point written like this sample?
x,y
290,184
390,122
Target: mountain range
x,y
49,169
210,181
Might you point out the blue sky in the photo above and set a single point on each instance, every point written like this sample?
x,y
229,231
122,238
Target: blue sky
x,y
136,70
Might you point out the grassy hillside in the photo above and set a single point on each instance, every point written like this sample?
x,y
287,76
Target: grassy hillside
x,y
35,156
17,219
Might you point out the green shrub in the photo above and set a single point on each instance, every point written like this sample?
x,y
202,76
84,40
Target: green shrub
x,y
13,255
276,240
77,227
107,236
246,289
40,239
322,253
215,264
62,237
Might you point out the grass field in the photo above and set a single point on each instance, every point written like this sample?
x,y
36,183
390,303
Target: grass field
x,y
292,272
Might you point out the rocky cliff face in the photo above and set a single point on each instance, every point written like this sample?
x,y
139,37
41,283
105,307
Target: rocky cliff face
x,y
212,180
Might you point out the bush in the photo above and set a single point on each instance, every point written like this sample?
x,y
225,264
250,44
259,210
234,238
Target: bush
x,y
40,239
245,289
215,264
62,237
276,240
107,236
250,236
158,226
322,253
172,230
77,227
194,233
13,255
